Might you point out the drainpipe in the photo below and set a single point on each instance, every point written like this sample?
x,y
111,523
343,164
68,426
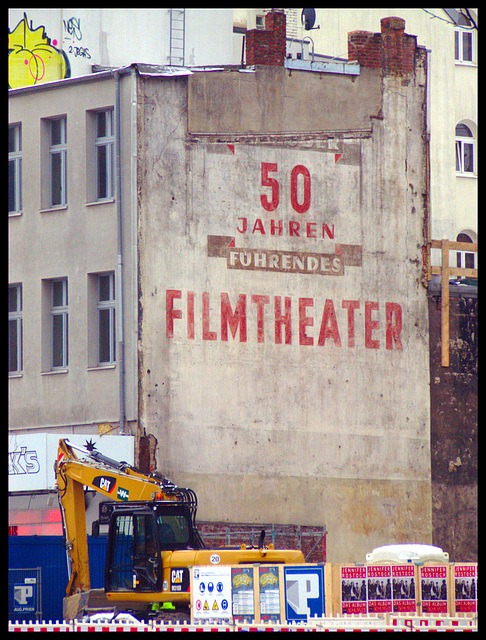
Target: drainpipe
x,y
119,265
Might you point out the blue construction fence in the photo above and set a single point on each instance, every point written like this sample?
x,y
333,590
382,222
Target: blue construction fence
x,y
37,575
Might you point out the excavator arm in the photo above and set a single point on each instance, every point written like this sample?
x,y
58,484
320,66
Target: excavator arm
x,y
118,481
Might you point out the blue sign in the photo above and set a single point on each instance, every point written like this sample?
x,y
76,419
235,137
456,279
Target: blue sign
x,y
304,593
23,595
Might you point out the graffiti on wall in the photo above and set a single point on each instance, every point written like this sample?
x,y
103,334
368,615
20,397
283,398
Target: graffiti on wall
x,y
33,58
73,36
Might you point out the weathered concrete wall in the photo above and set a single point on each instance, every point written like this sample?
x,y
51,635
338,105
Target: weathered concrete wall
x,y
273,100
454,429
283,337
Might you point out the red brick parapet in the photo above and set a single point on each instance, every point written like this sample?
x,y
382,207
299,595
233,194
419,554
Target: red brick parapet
x,y
392,50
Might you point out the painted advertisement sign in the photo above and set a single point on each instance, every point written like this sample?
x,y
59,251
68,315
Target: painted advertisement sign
x,y
290,246
283,311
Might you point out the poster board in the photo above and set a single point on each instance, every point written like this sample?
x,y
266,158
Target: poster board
x,y
259,593
464,587
434,588
374,588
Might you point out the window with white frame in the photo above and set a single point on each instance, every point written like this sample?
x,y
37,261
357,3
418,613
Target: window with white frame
x,y
465,259
15,355
15,169
106,316
105,150
59,324
465,160
58,162
463,45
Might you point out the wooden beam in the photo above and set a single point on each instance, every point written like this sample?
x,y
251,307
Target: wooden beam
x,y
445,304
446,272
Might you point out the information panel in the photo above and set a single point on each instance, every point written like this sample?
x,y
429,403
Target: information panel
x,y
211,589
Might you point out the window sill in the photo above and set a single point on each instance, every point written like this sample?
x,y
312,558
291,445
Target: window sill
x,y
465,63
466,175
15,214
102,367
62,207
101,201
15,374
54,372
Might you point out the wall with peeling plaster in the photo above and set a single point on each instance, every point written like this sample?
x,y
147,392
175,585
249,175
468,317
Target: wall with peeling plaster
x,y
454,428
328,425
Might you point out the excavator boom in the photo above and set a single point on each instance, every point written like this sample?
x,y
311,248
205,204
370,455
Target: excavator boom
x,y
118,481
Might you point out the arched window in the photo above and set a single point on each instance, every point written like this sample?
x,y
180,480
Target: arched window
x,y
465,259
464,149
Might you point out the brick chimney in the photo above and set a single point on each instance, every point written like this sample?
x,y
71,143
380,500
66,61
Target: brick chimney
x,y
392,50
268,46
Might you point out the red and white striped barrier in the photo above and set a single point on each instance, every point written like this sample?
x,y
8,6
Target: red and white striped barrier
x,y
388,623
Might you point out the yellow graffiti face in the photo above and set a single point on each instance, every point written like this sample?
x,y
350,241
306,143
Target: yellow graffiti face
x,y
32,58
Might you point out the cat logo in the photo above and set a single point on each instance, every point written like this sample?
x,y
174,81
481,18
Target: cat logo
x,y
105,483
179,579
176,576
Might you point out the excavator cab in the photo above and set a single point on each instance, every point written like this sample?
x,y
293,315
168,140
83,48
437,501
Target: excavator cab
x,y
138,534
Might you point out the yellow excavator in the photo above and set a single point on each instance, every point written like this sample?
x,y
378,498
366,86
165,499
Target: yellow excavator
x,y
152,538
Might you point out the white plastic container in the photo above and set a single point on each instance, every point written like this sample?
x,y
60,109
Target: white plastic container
x,y
407,553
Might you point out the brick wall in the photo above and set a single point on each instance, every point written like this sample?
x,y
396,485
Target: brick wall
x,y
311,540
268,46
392,50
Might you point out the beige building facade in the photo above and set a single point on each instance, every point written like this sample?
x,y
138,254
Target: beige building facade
x,y
227,265
451,39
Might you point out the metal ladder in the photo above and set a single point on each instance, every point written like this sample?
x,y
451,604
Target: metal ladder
x,y
177,37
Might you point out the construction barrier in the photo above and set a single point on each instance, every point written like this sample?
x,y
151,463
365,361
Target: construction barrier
x,y
420,596
387,623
